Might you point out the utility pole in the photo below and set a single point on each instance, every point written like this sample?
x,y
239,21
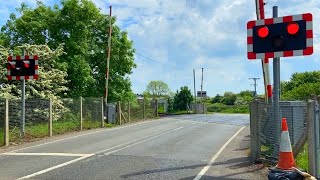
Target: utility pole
x,y
201,84
194,87
108,61
255,85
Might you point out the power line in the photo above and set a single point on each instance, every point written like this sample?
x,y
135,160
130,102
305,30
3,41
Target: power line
x,y
165,64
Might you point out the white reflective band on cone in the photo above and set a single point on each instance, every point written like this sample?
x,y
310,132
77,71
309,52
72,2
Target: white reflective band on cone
x,y
285,145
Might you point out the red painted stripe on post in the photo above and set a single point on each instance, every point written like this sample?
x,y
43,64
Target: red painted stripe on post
x,y
269,90
10,58
266,60
9,78
18,57
18,77
36,76
26,57
26,77
36,67
35,57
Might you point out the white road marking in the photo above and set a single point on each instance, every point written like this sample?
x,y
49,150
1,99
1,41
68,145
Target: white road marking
x,y
152,136
46,154
54,167
206,168
79,136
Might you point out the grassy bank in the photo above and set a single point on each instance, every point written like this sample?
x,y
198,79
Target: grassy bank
x,y
40,130
302,158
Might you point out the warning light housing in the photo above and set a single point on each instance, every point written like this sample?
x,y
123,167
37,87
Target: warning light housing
x,y
293,28
263,32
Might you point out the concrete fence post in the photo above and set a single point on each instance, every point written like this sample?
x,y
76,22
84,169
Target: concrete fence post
x,y
81,118
129,112
102,113
119,112
50,119
311,129
255,131
6,123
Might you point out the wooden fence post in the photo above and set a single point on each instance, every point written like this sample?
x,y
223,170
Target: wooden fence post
x,y
50,118
157,108
6,123
102,113
255,131
119,112
129,112
144,108
81,118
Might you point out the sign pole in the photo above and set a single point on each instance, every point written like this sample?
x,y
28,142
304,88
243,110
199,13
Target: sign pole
x,y
276,92
23,103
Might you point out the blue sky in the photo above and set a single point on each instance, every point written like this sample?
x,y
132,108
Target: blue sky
x,y
173,37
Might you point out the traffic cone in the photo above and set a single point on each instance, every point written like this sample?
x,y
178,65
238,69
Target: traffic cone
x,y
286,160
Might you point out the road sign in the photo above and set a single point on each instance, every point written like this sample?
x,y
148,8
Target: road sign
x,y
22,67
204,94
280,37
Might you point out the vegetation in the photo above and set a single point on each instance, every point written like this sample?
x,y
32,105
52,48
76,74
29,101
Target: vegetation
x,y
78,27
231,102
157,89
182,99
302,158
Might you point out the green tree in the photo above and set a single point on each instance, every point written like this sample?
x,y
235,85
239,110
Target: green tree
x,y
301,86
217,98
158,88
182,98
229,98
81,26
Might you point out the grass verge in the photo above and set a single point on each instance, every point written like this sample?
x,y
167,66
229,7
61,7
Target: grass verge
x,y
302,158
41,130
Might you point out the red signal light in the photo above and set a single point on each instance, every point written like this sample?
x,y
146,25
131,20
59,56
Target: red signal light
x,y
293,28
263,32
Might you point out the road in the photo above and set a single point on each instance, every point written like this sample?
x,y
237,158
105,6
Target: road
x,y
179,147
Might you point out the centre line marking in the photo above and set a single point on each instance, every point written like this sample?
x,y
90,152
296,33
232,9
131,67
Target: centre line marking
x,y
46,154
152,136
206,168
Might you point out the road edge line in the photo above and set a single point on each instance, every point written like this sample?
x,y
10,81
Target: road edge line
x,y
206,168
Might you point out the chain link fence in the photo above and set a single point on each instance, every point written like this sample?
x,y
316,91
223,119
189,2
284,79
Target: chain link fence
x,y
263,129
139,110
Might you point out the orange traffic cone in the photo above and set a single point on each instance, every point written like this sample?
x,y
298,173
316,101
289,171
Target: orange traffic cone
x,y
286,160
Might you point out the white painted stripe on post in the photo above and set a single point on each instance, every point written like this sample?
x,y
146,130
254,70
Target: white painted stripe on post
x,y
309,42
297,17
14,78
298,53
260,22
31,77
250,47
278,54
309,25
21,77
36,71
31,57
260,55
14,57
36,62
277,20
285,144
249,32
9,72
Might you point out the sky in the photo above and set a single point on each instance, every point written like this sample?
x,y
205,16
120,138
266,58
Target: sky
x,y
173,37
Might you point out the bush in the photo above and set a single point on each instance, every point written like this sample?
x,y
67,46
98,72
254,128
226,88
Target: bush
x,y
222,108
